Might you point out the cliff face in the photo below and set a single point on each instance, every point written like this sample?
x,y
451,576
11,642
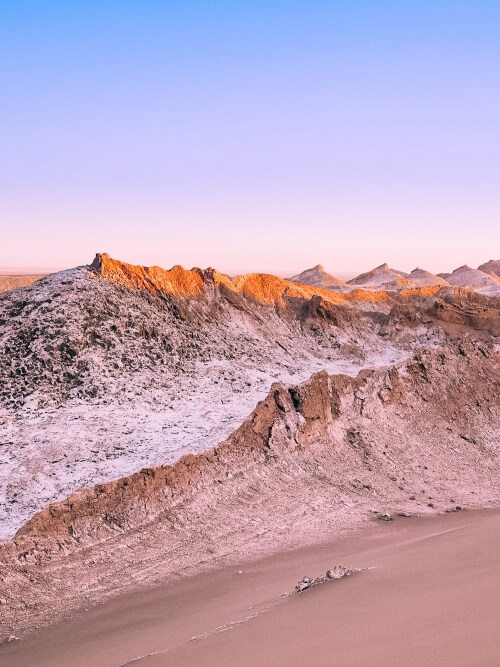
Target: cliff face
x,y
461,306
263,288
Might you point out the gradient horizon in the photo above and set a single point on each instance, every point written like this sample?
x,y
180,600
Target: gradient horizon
x,y
269,137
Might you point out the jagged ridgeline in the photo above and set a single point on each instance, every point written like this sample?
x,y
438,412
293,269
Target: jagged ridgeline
x,y
189,405
86,331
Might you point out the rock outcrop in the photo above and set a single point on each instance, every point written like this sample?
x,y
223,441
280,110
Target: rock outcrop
x,y
108,368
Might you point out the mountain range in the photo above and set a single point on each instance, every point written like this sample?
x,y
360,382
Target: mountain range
x,y
156,421
484,279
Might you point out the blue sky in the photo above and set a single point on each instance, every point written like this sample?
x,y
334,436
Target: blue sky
x,y
262,136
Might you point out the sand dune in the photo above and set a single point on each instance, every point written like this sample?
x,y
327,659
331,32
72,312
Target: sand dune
x,y
428,596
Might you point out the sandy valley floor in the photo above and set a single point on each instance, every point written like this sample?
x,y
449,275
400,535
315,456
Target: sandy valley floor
x,y
428,595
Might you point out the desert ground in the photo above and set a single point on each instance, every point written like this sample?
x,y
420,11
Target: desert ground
x,y
425,593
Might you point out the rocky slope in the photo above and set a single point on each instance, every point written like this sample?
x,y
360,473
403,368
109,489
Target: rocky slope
x,y
383,277
110,367
419,436
484,280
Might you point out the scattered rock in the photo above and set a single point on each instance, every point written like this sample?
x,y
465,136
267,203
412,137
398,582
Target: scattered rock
x,y
385,517
454,509
304,583
338,572
404,514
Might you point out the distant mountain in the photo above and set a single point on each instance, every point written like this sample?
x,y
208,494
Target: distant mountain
x,y
474,279
318,277
422,278
492,267
12,282
382,277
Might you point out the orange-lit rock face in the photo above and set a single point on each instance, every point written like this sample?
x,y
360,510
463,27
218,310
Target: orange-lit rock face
x,y
177,281
264,288
270,290
428,292
367,295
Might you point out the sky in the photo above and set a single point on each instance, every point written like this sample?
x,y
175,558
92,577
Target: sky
x,y
250,136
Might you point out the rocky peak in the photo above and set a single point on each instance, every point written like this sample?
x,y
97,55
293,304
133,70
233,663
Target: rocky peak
x,y
465,276
492,267
318,277
381,276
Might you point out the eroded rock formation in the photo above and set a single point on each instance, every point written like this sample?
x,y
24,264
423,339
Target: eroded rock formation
x,y
328,450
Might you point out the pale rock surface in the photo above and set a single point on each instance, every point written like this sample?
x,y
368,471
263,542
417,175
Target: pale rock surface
x,y
475,279
421,278
492,267
382,277
318,277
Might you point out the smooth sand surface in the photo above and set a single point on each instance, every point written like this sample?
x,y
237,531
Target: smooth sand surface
x,y
431,596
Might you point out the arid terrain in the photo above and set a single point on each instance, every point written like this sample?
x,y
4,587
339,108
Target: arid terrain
x,y
9,282
157,425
